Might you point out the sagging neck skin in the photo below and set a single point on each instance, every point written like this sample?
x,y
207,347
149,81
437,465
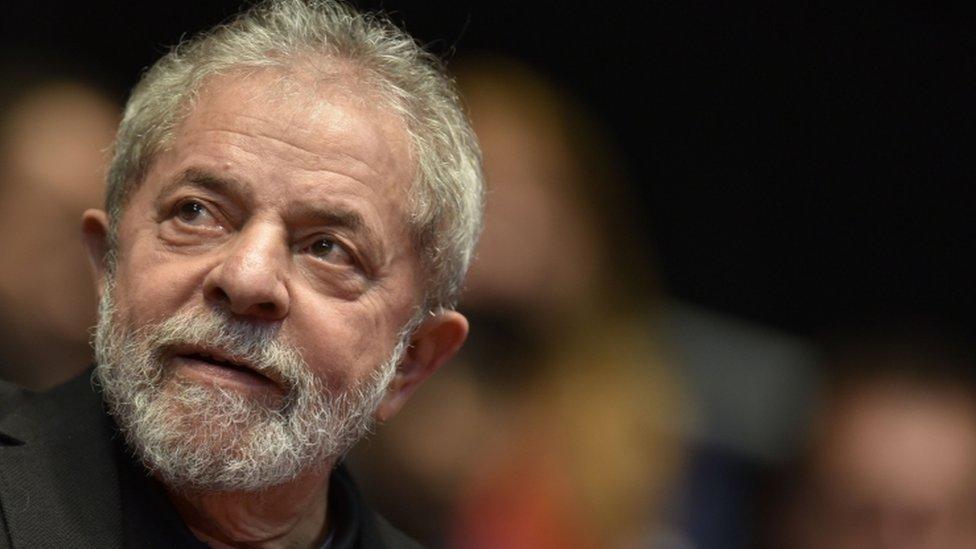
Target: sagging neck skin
x,y
290,515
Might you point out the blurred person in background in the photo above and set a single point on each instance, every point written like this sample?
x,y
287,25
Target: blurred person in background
x,y
596,447
594,456
562,243
891,459
54,134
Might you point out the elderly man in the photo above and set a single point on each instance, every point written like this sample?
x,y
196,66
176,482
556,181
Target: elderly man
x,y
291,208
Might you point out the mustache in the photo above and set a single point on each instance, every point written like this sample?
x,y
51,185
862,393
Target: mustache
x,y
260,347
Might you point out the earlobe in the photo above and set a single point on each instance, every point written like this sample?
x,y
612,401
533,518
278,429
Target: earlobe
x,y
433,343
95,233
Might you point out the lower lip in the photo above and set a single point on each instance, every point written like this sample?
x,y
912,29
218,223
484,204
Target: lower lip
x,y
209,372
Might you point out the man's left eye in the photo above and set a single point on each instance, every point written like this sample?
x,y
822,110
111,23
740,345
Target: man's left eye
x,y
330,251
194,213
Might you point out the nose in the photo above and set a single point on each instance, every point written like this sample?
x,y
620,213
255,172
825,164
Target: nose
x,y
250,280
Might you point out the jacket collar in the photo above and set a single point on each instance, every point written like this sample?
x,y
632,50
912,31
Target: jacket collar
x,y
58,477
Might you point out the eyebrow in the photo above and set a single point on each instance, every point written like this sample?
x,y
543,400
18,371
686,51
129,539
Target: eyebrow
x,y
342,218
203,179
334,215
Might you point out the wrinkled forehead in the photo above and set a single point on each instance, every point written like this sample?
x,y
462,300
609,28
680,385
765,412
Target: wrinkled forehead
x,y
329,101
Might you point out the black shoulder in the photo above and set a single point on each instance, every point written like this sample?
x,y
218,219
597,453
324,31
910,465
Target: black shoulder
x,y
11,397
59,482
73,396
54,413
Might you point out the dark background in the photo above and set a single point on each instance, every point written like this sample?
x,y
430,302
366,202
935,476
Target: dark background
x,y
802,166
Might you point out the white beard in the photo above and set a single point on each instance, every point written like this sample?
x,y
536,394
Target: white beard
x,y
205,437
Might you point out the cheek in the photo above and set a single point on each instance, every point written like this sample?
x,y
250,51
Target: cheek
x,y
342,342
152,286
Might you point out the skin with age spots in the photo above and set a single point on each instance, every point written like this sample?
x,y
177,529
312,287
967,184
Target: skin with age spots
x,y
288,211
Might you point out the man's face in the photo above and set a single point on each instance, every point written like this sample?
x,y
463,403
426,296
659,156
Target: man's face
x,y
281,216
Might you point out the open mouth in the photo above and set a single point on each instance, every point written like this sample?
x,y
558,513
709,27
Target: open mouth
x,y
222,365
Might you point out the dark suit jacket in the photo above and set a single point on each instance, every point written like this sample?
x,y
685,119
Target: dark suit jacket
x,y
66,480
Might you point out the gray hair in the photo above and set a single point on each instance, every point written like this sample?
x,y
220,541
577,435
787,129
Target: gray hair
x,y
447,194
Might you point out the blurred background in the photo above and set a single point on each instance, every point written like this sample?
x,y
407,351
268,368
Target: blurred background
x,y
723,295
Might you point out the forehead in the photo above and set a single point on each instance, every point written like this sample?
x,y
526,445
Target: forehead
x,y
310,123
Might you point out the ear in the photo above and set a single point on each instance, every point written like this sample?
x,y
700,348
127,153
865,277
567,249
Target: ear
x,y
432,344
94,232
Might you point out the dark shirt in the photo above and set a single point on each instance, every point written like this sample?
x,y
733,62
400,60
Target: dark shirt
x,y
68,480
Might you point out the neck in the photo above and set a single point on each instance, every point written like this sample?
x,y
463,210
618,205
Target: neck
x,y
290,515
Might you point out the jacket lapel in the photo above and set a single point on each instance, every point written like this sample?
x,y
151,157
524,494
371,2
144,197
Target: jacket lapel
x,y
58,475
